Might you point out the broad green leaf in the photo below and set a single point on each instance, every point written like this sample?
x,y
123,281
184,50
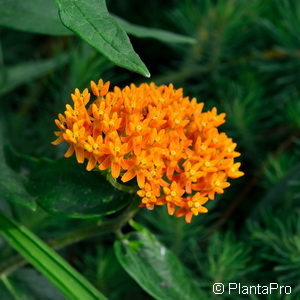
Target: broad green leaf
x,y
47,261
12,184
156,269
37,16
158,34
16,75
92,22
64,187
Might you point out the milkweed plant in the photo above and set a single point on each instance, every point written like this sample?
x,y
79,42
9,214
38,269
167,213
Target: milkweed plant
x,y
161,166
156,135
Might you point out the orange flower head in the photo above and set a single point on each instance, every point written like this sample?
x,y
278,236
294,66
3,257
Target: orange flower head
x,y
156,136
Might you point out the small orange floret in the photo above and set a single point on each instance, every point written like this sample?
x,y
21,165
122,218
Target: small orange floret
x,y
156,135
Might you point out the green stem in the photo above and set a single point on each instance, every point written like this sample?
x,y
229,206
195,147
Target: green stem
x,y
114,225
119,186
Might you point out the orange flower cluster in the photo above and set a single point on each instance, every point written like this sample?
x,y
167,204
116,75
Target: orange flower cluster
x,y
156,135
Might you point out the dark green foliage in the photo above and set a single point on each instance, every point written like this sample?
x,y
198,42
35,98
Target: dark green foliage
x,y
279,244
64,187
92,22
154,267
17,75
238,55
38,16
12,184
49,263
105,272
28,284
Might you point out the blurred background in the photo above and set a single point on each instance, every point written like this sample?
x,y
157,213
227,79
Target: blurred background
x,y
246,62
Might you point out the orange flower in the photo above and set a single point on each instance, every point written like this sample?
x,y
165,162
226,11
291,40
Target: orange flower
x,y
115,151
233,171
149,197
173,196
194,207
100,110
156,136
94,146
217,184
137,168
76,138
100,89
191,174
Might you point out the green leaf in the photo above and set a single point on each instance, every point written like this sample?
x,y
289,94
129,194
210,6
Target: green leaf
x,y
156,269
12,184
158,34
91,21
28,16
37,16
47,261
64,187
25,72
